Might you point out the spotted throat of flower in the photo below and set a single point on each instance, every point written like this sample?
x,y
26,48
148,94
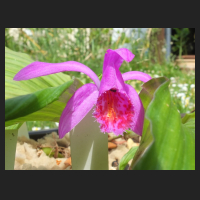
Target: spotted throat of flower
x,y
114,111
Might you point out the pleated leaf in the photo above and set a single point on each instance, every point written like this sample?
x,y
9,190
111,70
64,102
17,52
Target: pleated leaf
x,y
167,143
47,95
26,104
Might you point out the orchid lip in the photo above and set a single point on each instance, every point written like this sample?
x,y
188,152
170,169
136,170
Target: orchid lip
x,y
114,111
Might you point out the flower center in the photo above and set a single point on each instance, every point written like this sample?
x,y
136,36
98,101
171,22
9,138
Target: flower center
x,y
114,111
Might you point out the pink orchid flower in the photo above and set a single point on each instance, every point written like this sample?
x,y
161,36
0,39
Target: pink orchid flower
x,y
118,106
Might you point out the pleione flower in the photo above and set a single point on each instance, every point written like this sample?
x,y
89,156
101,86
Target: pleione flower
x,y
117,105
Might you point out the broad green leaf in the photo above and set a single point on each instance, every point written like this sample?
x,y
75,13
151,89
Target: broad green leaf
x,y
146,96
167,143
13,127
26,104
127,157
189,121
190,125
52,111
188,117
14,62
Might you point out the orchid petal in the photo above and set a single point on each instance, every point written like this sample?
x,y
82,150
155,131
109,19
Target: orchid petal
x,y
112,79
138,118
126,54
116,57
136,75
37,69
77,107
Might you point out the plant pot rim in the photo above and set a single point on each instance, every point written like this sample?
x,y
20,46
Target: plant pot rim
x,y
187,57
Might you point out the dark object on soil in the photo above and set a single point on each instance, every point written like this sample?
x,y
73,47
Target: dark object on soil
x,y
115,163
127,167
35,135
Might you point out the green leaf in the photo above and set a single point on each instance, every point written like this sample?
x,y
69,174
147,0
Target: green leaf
x,y
14,62
188,117
13,127
166,142
146,95
50,152
190,125
100,76
127,157
189,121
26,104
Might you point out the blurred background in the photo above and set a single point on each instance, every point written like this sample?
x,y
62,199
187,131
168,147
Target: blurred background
x,y
166,52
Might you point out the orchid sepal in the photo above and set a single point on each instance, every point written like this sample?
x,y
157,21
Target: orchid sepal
x,y
37,69
77,107
136,75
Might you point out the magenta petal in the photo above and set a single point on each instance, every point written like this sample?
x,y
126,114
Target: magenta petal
x,y
116,57
136,75
112,79
126,54
77,107
37,69
138,118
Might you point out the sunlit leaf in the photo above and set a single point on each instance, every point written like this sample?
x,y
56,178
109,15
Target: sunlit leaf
x,y
26,104
127,157
188,117
13,127
14,62
50,152
166,142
